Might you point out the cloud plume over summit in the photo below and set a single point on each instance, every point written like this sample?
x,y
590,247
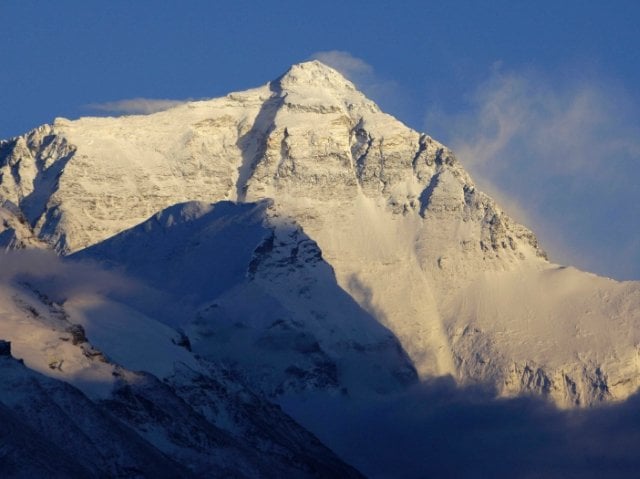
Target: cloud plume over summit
x,y
135,106
563,155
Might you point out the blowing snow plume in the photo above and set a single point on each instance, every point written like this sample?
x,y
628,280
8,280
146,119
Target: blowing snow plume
x,y
544,147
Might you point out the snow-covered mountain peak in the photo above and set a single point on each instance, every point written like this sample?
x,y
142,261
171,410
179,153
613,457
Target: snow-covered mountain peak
x,y
314,73
391,212
313,87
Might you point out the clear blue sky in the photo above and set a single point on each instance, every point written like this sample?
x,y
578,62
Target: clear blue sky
x,y
539,99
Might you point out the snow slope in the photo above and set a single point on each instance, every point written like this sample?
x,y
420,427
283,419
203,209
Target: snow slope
x,y
558,331
122,394
60,421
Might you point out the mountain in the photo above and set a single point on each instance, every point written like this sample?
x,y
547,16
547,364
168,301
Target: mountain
x,y
244,285
123,395
288,245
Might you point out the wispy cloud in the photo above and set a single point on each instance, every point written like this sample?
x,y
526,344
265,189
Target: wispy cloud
x,y
136,105
62,278
573,130
564,156
353,68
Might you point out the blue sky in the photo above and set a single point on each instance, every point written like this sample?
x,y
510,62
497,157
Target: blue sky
x,y
540,100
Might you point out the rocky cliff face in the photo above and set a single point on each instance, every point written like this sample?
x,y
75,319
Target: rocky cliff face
x,y
465,289
15,231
